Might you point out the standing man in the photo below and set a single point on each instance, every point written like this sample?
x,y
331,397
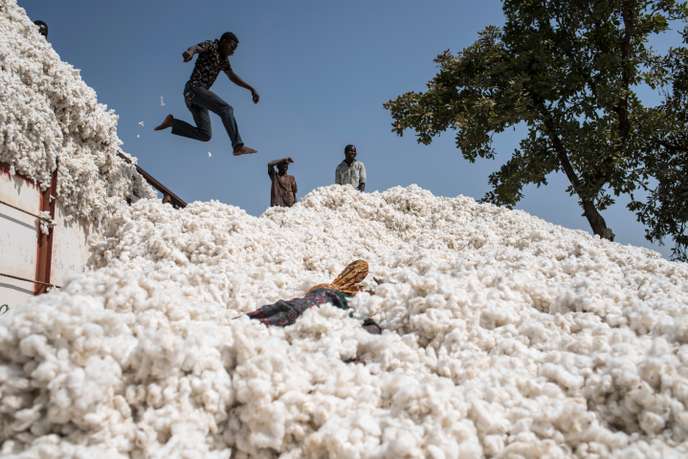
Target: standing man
x,y
283,190
350,171
212,57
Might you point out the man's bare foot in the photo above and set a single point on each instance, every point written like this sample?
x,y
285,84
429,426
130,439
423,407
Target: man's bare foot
x,y
243,150
167,122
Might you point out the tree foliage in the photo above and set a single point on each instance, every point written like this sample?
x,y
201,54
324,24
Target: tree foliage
x,y
569,72
663,168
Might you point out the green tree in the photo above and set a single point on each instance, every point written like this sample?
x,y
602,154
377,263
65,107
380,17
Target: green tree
x,y
568,71
663,166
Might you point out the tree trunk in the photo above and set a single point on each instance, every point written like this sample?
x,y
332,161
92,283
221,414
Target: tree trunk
x,y
597,223
595,219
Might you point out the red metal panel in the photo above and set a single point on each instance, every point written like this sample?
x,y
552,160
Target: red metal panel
x,y
44,247
45,241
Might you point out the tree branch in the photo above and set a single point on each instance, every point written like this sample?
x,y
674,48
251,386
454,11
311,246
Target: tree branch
x,y
628,15
597,223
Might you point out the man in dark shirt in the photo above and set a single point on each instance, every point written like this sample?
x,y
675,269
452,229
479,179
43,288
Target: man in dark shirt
x,y
283,190
212,58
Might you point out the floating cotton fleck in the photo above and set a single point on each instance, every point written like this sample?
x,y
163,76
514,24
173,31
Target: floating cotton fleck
x,y
141,123
162,102
209,154
138,136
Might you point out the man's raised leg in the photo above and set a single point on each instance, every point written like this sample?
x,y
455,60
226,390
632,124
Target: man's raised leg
x,y
166,123
215,104
202,131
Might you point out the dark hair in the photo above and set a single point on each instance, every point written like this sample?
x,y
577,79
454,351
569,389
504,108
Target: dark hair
x,y
229,36
42,27
349,148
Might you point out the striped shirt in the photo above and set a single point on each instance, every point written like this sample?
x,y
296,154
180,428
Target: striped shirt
x,y
354,174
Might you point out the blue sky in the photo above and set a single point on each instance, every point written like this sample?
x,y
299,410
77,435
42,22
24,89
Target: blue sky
x,y
323,70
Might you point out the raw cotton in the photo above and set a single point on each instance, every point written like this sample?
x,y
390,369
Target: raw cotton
x,y
48,115
504,336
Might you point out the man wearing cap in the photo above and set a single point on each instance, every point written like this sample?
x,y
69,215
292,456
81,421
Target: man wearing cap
x,y
350,171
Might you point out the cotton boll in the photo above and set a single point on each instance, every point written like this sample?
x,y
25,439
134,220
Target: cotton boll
x,y
494,444
489,419
651,423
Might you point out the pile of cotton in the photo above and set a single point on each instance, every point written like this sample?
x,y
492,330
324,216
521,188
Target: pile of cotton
x,y
503,336
50,119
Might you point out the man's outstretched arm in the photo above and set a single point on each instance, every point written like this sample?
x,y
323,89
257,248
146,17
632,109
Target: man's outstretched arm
x,y
195,49
234,78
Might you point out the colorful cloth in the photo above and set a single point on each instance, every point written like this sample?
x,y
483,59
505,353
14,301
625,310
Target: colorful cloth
x,y
354,174
285,312
349,280
337,293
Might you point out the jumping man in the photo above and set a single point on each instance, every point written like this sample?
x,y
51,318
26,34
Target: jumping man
x,y
212,57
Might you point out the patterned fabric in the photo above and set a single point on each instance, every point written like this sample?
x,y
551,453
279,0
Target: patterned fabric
x,y
285,312
349,279
208,65
337,293
354,175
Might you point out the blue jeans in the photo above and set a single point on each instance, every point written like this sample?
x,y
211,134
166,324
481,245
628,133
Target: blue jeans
x,y
199,101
